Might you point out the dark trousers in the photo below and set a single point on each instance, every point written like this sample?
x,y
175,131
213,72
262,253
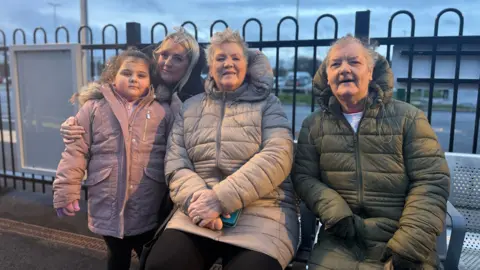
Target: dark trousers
x,y
176,250
120,250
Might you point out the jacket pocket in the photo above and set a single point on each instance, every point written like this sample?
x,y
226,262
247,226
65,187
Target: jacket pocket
x,y
100,198
152,189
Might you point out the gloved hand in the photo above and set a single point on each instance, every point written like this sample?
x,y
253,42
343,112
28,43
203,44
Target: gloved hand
x,y
344,229
68,210
402,263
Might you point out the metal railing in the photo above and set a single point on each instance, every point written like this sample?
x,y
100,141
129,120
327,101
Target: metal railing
x,y
133,38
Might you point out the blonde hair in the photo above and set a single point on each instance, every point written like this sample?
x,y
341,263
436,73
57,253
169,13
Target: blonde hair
x,y
369,51
182,37
226,36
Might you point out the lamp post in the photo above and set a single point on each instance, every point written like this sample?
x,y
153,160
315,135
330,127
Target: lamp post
x,y
84,38
298,4
54,5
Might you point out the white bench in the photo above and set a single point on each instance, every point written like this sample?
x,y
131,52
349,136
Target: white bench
x,y
465,196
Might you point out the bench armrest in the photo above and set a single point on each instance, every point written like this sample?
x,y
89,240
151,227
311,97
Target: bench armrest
x,y
457,236
308,228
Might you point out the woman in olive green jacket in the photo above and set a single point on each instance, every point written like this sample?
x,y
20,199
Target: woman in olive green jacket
x,y
370,167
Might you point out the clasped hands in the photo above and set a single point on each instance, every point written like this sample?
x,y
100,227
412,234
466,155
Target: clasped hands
x,y
346,230
205,210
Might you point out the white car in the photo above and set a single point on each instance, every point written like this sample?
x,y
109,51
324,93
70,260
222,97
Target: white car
x,y
303,85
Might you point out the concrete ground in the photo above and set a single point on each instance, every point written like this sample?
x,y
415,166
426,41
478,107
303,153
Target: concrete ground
x,y
23,252
32,237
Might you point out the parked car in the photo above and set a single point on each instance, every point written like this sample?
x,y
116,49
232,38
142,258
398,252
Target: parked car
x,y
303,84
281,82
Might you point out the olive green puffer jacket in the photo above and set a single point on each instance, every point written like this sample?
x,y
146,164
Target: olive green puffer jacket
x,y
391,177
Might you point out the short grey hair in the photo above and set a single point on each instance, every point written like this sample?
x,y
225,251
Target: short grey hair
x,y
226,36
182,37
369,50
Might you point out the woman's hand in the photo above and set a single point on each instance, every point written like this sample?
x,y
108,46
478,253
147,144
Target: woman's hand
x,y
388,265
71,131
69,210
214,225
205,208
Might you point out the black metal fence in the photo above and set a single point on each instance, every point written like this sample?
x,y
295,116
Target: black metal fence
x,y
362,23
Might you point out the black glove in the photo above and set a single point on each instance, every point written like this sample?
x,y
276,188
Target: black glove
x,y
402,263
344,229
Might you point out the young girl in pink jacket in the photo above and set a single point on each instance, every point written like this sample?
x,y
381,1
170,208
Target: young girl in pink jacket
x,y
122,151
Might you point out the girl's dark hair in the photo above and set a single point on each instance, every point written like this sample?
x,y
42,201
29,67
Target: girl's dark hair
x,y
114,63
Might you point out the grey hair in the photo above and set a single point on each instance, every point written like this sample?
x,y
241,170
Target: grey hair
x,y
369,50
226,36
182,37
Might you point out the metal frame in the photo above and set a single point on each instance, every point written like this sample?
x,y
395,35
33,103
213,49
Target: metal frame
x,y
77,81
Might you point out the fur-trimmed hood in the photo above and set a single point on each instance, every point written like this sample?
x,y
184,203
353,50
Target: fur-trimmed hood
x,y
88,92
93,91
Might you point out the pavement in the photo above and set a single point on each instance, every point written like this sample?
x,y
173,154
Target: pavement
x,y
32,237
21,252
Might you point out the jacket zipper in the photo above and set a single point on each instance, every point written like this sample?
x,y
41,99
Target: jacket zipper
x,y
146,124
358,169
219,129
127,183
357,158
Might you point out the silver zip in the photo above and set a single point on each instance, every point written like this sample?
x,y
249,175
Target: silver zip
x,y
219,130
146,121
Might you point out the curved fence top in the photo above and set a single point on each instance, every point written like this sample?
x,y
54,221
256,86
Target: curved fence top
x,y
402,12
86,27
114,29
152,30
335,23
259,26
35,35
454,10
194,27
284,19
15,36
214,23
66,33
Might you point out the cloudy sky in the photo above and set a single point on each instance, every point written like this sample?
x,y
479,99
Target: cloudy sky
x,y
28,14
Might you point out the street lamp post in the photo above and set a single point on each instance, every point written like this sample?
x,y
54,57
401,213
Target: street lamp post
x,y
298,4
84,38
54,5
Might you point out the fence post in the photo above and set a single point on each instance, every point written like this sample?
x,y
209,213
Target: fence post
x,y
362,25
134,34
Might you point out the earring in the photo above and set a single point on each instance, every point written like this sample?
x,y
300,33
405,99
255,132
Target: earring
x,y
151,87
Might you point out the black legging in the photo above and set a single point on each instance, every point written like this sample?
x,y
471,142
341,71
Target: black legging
x,y
176,250
119,251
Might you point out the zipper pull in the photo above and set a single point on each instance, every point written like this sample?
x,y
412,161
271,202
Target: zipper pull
x,y
145,128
